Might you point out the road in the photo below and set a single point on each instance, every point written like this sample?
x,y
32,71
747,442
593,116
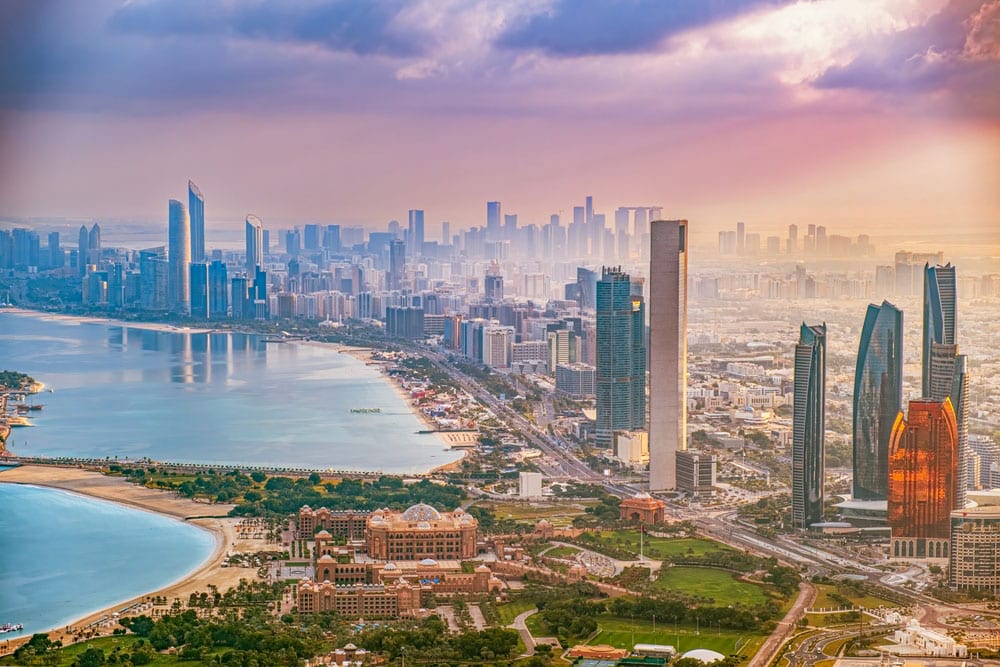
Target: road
x,y
522,629
807,595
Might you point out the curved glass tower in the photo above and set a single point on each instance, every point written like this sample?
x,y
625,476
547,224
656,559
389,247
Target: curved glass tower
x,y
196,208
255,244
878,398
809,426
179,258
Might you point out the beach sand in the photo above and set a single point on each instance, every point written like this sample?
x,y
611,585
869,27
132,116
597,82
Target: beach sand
x,y
117,489
81,319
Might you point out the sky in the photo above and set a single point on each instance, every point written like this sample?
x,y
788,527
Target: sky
x,y
866,115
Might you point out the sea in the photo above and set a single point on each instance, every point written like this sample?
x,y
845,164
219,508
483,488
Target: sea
x,y
123,392
66,555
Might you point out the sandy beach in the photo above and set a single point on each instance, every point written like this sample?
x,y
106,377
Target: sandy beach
x,y
149,326
118,490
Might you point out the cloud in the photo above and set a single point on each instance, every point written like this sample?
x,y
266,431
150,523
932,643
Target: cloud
x,y
593,27
956,51
356,26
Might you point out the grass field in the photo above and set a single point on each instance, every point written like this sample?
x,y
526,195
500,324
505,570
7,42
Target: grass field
x,y
562,552
508,612
625,633
663,546
560,515
710,583
824,601
535,625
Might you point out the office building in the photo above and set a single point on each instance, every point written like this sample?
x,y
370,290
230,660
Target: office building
x,y
199,290
493,228
975,549
397,265
632,447
529,484
310,237
153,276
254,244
497,341
577,380
493,285
179,257
415,233
196,209
620,382
218,290
667,350
923,468
116,286
82,253
944,370
696,471
562,348
878,398
808,426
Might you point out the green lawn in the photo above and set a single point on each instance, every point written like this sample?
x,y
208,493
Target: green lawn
x,y
720,585
559,515
562,552
620,632
824,601
508,612
67,655
663,546
537,628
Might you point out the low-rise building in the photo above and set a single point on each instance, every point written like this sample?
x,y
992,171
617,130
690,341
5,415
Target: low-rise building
x,y
643,508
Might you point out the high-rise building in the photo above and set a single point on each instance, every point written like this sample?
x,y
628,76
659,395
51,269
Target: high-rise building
x,y
667,350
397,265
83,250
116,286
179,257
741,230
153,278
923,468
218,290
310,237
878,398
792,244
94,245
199,290
944,370
196,209
415,233
493,285
620,382
56,256
493,229
808,426
254,244
975,549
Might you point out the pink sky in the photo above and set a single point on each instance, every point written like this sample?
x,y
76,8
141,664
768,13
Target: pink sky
x,y
875,115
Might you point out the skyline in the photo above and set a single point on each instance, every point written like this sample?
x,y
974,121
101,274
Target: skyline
x,y
861,115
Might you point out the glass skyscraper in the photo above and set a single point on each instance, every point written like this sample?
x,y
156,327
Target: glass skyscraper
x,y
254,244
218,290
878,398
199,290
808,426
621,356
196,209
179,257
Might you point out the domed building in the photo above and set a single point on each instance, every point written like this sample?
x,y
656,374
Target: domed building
x,y
421,532
707,656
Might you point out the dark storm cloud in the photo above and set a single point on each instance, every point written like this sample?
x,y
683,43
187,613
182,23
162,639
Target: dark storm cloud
x,y
955,50
595,27
356,26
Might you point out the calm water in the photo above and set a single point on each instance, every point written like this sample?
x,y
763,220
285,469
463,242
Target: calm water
x,y
66,555
207,398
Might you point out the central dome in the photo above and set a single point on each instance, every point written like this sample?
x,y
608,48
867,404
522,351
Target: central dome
x,y
421,512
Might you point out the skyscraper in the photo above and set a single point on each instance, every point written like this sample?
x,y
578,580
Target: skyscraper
x,y
923,468
196,209
218,290
493,220
667,350
94,243
179,257
808,426
83,250
415,234
397,265
944,370
878,398
621,356
199,290
255,243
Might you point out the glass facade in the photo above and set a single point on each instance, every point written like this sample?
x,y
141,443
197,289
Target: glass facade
x,y
621,356
878,398
808,426
196,209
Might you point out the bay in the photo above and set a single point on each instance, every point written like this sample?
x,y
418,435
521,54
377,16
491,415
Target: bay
x,y
210,398
65,555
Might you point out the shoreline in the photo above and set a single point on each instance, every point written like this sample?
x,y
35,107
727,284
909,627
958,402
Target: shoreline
x,y
96,319
117,490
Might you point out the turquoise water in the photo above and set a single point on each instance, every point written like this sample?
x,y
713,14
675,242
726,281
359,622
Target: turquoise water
x,y
214,398
65,555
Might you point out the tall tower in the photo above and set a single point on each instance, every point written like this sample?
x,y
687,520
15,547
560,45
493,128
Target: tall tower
x,y
255,244
944,370
620,380
923,467
179,257
397,265
493,220
416,232
667,350
808,426
94,243
196,209
878,398
83,250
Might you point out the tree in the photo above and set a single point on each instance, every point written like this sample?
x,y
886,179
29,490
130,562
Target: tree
x,y
92,657
258,476
315,478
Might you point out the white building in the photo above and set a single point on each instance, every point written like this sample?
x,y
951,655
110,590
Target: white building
x,y
529,484
497,341
631,447
927,642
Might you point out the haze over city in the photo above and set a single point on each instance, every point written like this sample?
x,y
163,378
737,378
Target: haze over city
x,y
878,116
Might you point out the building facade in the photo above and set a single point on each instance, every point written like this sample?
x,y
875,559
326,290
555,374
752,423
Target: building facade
x,y
178,258
878,398
254,245
421,532
348,524
975,549
196,209
923,469
667,350
808,426
696,471
620,380
576,379
642,508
